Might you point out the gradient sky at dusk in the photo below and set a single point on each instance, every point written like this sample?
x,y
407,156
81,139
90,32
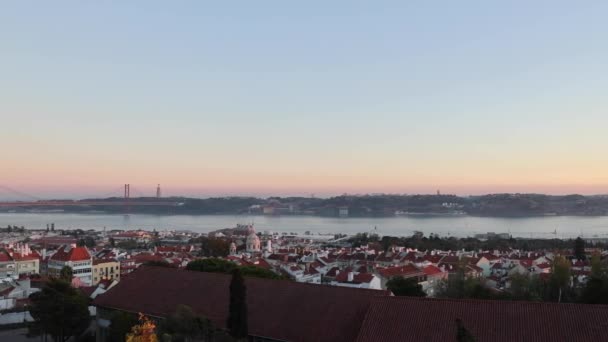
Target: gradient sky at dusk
x,y
286,97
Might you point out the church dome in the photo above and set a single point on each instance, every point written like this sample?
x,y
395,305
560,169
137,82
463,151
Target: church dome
x,y
253,243
253,238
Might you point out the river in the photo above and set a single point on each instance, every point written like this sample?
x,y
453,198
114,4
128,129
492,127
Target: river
x,y
460,226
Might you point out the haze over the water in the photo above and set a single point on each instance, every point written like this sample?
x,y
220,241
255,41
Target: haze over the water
x,y
321,97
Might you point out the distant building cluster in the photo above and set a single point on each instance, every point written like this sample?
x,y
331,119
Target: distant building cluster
x,y
100,261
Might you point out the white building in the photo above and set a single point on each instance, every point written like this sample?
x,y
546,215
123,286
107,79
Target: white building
x,y
78,258
252,243
357,280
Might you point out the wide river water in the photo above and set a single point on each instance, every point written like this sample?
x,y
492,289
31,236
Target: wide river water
x,y
460,226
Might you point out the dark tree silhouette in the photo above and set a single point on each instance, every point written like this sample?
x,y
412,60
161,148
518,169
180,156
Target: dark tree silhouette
x,y
237,317
400,286
66,274
462,334
121,324
59,311
579,248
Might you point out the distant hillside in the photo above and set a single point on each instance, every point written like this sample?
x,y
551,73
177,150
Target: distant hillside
x,y
499,205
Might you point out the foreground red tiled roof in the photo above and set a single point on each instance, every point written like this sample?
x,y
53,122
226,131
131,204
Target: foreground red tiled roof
x,y
67,253
278,309
414,319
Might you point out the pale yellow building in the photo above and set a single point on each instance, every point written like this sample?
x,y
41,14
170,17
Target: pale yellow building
x,y
105,269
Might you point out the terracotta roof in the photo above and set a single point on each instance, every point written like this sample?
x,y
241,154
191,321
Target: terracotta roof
x,y
357,278
432,270
103,261
408,270
450,259
278,309
7,291
434,259
19,257
67,253
416,319
87,290
5,257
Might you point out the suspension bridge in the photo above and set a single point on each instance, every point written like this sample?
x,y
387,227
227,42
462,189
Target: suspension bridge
x,y
121,197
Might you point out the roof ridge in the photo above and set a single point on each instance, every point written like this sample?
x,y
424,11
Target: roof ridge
x,y
487,301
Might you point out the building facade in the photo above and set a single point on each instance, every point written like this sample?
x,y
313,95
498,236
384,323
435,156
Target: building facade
x,y
78,258
105,269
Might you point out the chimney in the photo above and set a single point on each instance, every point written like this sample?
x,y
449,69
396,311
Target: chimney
x,y
351,277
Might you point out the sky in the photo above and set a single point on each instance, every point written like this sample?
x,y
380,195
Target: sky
x,y
298,98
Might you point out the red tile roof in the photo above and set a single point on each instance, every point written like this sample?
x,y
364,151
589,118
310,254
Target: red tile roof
x,y
67,253
357,278
278,309
7,291
408,270
432,270
416,319
5,257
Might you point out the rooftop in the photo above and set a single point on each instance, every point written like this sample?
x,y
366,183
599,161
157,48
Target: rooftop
x,y
424,319
279,309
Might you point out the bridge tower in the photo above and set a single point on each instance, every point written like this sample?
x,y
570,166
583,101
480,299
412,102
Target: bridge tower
x,y
127,197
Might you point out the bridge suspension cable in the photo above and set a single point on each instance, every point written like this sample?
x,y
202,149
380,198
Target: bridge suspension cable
x,y
19,193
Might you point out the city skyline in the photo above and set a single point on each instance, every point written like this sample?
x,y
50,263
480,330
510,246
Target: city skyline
x,y
287,99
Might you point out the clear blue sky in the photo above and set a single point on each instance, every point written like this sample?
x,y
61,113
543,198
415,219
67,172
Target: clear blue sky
x,y
304,97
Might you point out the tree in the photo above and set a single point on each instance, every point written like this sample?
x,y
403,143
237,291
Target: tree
x,y
214,265
525,287
595,290
211,247
66,274
184,325
120,326
579,248
142,332
112,242
59,311
89,242
400,286
127,244
560,278
462,334
259,272
158,263
237,316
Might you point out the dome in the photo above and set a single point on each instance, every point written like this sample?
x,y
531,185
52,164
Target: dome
x,y
253,243
252,238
